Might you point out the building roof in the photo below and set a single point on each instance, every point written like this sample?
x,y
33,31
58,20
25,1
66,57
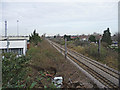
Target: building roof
x,y
14,38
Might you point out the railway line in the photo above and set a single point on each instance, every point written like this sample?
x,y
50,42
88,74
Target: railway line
x,y
107,76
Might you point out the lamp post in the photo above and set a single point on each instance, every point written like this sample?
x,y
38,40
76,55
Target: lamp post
x,y
17,28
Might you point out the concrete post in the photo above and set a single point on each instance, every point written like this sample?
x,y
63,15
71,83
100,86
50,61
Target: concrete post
x,y
1,67
65,47
5,28
99,45
8,43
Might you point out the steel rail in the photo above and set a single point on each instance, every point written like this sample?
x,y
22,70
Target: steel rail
x,y
99,77
111,71
111,84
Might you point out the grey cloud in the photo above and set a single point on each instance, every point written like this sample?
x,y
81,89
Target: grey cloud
x,y
58,17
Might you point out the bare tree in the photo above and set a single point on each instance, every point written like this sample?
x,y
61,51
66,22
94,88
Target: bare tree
x,y
116,37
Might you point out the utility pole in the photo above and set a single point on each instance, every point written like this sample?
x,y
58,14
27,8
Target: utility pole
x,y
17,28
61,44
7,36
99,45
5,28
8,43
0,69
65,48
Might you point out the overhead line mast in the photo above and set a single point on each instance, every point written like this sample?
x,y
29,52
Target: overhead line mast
x,y
5,28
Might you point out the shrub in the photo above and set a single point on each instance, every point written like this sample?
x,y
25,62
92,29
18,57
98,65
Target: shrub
x,y
12,69
81,43
92,50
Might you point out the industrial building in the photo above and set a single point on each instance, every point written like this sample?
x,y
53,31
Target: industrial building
x,y
17,45
15,38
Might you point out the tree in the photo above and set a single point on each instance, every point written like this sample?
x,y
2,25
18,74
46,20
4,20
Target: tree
x,y
92,38
68,37
35,38
54,36
107,37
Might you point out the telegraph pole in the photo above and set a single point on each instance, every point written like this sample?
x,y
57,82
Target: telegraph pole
x,y
17,28
65,48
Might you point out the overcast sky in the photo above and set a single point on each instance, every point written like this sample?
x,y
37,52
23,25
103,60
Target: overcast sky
x,y
62,17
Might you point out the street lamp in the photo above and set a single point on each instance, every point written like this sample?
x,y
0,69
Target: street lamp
x,y
17,28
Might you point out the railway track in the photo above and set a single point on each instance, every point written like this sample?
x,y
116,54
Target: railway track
x,y
104,74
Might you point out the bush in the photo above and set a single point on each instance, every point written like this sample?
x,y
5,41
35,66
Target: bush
x,y
92,50
79,49
13,69
104,44
81,43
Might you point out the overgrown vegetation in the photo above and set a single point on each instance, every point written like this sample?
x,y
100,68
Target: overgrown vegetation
x,y
44,61
17,71
47,60
14,70
35,38
102,52
92,38
107,56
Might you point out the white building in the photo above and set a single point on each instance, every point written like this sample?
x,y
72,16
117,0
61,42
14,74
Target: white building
x,y
18,46
15,37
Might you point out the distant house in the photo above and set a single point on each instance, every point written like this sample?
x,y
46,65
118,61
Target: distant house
x,y
83,37
74,37
97,35
114,38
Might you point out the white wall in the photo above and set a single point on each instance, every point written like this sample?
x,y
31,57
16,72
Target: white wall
x,y
15,44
